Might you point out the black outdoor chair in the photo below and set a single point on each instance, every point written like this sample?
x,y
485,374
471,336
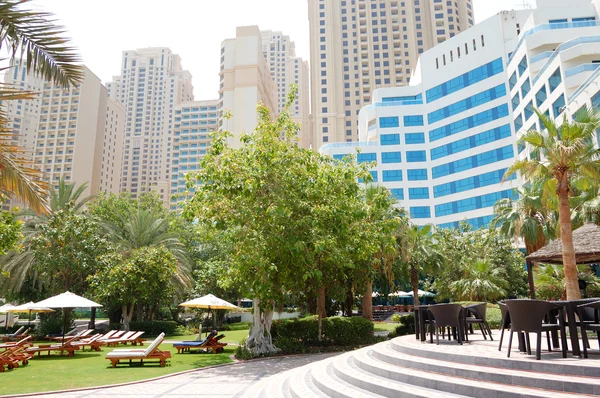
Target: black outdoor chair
x,y
504,322
447,315
528,316
589,321
475,315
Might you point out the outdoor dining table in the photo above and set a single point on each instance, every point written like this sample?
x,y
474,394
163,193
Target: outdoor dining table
x,y
571,311
420,329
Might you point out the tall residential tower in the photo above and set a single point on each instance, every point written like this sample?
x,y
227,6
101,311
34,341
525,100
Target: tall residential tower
x,y
357,46
151,84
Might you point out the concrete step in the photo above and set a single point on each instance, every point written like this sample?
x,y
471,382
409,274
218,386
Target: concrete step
x,y
324,378
547,381
345,368
448,383
550,363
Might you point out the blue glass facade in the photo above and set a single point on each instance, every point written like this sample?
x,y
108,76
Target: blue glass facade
x,y
468,123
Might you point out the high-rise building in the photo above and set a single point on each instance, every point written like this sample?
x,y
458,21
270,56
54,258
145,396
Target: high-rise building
x,y
442,145
357,46
75,133
151,84
245,81
287,69
194,121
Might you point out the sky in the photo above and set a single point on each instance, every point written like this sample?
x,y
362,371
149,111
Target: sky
x,y
194,29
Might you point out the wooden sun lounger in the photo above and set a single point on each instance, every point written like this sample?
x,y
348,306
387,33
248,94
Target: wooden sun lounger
x,y
210,343
60,347
19,334
152,352
130,337
24,341
92,341
82,334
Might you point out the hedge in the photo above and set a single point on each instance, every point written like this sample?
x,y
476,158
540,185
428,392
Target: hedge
x,y
338,331
154,328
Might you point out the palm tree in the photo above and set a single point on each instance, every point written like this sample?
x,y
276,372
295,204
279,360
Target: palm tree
x,y
389,221
561,158
526,218
33,36
418,251
480,282
19,265
144,228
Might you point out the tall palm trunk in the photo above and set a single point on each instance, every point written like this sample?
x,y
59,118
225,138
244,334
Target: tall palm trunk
x,y
566,236
414,281
367,301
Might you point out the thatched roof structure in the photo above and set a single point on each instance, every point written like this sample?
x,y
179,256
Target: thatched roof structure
x,y
586,241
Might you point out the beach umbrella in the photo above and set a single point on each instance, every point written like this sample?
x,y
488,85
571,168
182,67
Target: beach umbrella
x,y
210,302
66,301
4,310
28,308
422,293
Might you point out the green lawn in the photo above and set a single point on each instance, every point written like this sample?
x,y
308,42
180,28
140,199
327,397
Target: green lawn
x,y
382,326
85,369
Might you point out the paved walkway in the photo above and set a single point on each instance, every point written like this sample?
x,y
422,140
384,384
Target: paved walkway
x,y
226,381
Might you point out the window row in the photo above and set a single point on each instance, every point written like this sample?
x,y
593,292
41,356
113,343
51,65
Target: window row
x,y
467,184
465,80
475,203
473,141
466,104
474,161
468,123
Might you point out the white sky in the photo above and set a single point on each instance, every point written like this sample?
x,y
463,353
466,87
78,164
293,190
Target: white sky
x,y
194,29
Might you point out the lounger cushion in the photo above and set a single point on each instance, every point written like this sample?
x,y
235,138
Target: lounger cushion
x,y
126,354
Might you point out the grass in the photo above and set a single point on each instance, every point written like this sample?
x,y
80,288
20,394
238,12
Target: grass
x,y
384,327
87,369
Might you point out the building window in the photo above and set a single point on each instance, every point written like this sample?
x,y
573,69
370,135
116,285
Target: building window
x,y
389,122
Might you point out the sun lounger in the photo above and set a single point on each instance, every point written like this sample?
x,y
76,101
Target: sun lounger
x,y
152,352
70,333
210,343
13,336
16,337
114,340
24,341
82,334
11,356
92,341
59,347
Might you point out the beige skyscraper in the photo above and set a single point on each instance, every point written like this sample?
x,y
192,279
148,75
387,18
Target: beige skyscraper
x,y
75,133
287,69
245,81
151,84
357,46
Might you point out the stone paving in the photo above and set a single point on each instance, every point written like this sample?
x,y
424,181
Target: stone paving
x,y
225,381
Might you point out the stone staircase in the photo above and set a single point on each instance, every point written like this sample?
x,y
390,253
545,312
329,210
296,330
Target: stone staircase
x,y
404,367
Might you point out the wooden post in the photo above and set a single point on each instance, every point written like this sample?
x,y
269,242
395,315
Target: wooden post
x,y
530,279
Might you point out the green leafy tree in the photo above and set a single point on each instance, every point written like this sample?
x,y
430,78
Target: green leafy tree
x,y
66,251
144,276
463,248
116,209
290,217
480,282
562,158
10,232
19,264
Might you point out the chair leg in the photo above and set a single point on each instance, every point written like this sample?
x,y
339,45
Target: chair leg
x,y
585,340
487,325
510,336
528,343
437,336
538,348
501,337
548,340
563,336
483,332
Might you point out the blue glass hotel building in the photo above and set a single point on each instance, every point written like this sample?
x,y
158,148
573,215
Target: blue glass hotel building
x,y
442,145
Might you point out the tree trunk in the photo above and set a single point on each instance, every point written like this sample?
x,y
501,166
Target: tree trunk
x,y
92,324
349,302
127,315
321,310
568,251
259,341
414,281
367,301
530,280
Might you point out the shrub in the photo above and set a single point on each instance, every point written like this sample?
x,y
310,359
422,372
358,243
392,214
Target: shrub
x,y
338,331
241,352
396,318
154,328
289,346
52,323
407,326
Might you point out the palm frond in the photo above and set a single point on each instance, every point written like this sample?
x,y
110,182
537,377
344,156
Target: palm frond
x,y
36,36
